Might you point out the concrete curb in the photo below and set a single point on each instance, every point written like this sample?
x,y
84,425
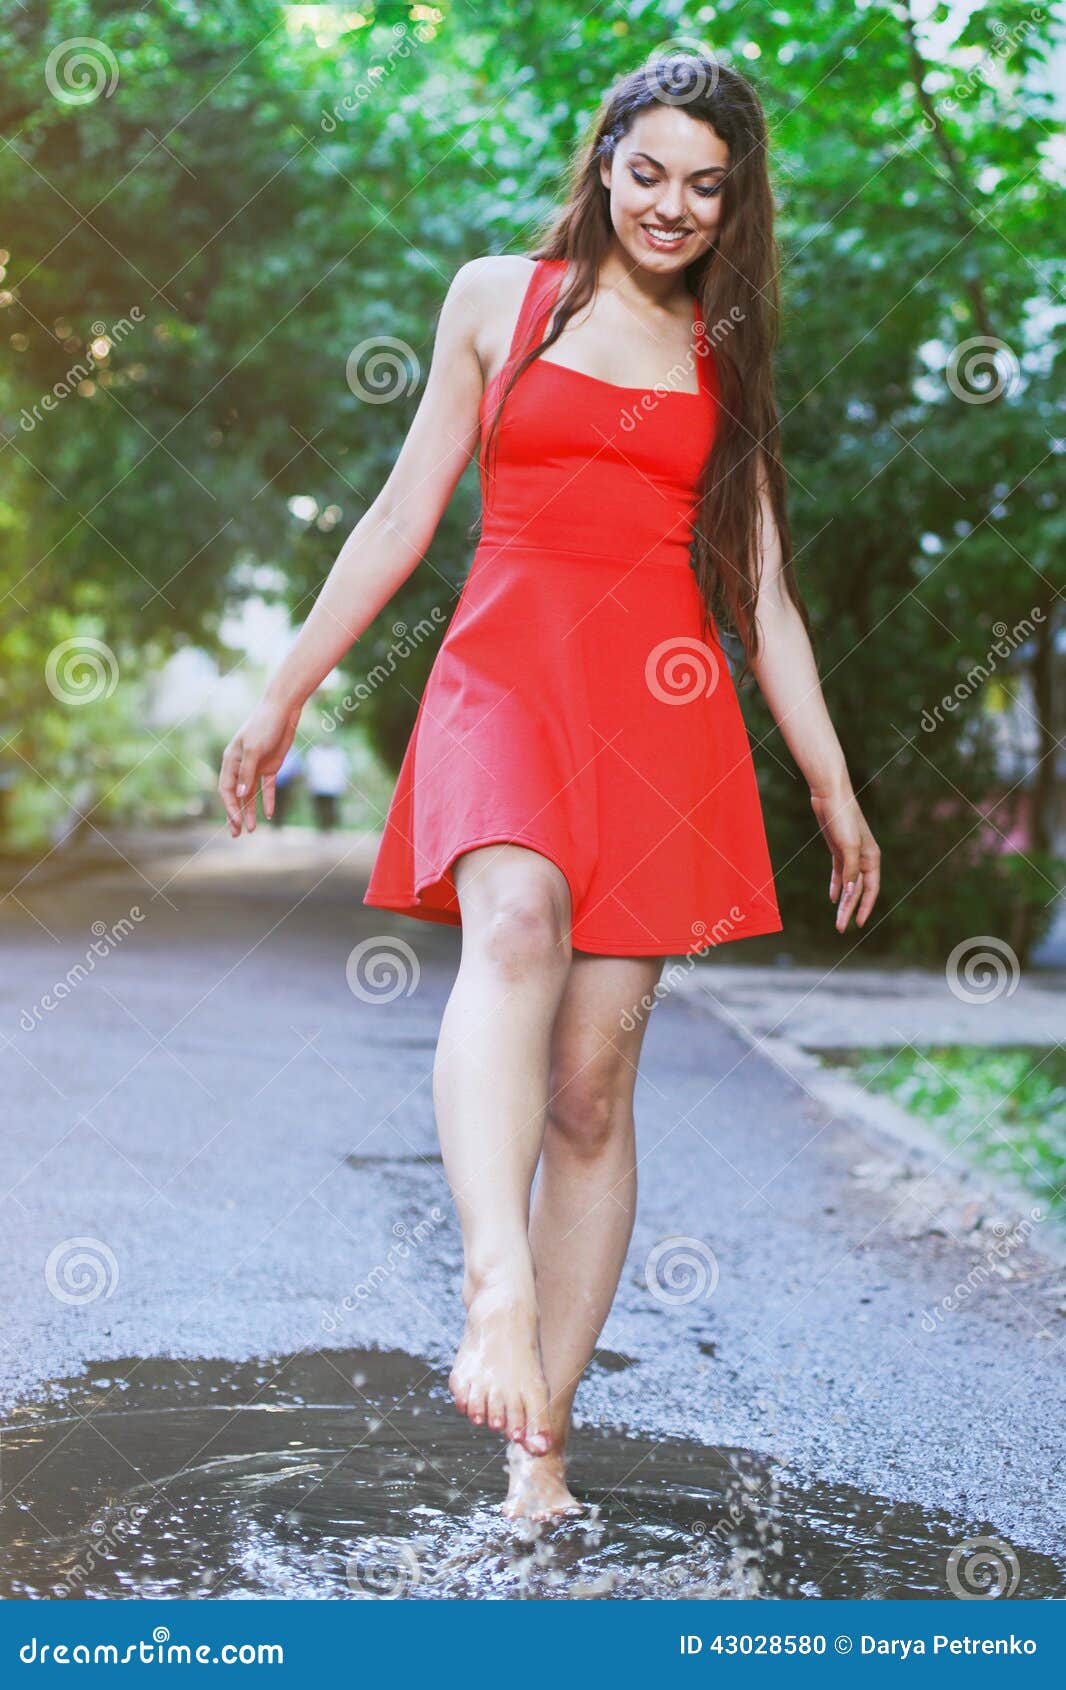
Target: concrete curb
x,y
952,1181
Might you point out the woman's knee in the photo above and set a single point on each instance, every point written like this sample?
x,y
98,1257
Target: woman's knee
x,y
516,914
590,1104
525,930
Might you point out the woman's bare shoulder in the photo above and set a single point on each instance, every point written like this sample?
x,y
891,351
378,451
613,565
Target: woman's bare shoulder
x,y
486,294
487,282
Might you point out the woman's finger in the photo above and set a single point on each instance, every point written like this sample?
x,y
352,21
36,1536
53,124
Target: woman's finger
x,y
227,786
246,786
852,876
869,896
871,875
836,879
847,903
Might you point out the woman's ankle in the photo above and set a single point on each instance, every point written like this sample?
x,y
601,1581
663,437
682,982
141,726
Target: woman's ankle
x,y
510,1275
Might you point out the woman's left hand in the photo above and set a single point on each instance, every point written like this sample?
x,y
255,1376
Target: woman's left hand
x,y
855,854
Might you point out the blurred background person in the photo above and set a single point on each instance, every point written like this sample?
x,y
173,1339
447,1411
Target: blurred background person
x,y
327,780
285,785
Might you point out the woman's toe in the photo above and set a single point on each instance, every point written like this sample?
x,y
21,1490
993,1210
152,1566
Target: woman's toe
x,y
459,1389
516,1416
538,1433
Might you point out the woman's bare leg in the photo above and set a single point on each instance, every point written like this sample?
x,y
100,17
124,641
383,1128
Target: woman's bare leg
x,y
585,1199
490,1090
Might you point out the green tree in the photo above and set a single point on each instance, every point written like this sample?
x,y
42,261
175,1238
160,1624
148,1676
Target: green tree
x,y
276,189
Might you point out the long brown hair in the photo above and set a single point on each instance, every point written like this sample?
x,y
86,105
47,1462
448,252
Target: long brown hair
x,y
736,283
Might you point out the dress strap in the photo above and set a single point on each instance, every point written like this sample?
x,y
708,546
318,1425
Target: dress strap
x,y
537,303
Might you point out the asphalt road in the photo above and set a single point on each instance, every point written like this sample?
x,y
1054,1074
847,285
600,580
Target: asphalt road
x,y
248,1140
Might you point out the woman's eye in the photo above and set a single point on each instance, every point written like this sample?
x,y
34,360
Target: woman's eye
x,y
648,181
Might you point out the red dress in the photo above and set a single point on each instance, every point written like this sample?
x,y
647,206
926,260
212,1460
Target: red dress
x,y
574,706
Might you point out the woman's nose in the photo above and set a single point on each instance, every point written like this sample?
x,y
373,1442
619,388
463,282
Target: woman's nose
x,y
671,208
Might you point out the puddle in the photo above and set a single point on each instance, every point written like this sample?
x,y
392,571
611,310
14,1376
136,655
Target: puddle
x,y
349,1473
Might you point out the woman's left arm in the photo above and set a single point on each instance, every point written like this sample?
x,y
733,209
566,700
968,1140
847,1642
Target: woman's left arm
x,y
788,679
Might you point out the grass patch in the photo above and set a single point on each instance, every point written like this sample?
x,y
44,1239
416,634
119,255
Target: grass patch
x,y
1005,1106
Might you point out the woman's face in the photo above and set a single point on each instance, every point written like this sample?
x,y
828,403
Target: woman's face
x,y
665,182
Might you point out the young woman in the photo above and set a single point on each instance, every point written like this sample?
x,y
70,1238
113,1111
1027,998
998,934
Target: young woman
x,y
578,792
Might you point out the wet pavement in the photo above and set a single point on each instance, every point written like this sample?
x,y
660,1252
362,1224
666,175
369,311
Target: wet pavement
x,y
222,1146
315,1476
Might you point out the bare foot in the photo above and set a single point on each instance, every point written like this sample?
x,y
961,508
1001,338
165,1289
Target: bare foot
x,y
538,1487
497,1379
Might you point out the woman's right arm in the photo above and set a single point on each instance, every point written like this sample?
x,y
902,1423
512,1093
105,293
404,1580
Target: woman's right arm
x,y
379,554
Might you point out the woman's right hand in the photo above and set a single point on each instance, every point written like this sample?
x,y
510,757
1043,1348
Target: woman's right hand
x,y
856,856
255,753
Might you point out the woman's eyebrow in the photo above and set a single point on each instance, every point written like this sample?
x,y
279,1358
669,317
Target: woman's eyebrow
x,y
707,170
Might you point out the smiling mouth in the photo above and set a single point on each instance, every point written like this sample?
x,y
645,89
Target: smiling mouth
x,y
665,237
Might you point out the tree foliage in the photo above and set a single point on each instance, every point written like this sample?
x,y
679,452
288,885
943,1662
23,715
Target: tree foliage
x,y
254,191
